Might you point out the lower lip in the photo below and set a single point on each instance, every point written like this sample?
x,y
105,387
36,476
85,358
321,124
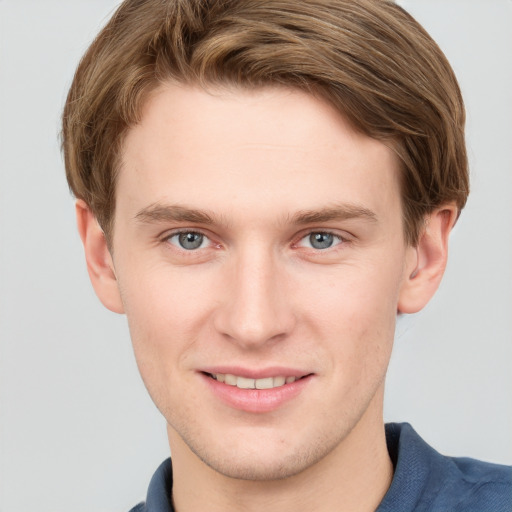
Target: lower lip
x,y
256,400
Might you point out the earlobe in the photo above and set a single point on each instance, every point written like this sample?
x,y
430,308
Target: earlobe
x,y
427,260
99,261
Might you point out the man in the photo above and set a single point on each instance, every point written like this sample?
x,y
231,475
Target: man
x,y
261,187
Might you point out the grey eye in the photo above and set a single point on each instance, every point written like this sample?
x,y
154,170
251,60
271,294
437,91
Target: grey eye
x,y
189,241
321,240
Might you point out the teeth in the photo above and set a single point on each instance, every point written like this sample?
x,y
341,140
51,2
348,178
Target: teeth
x,y
280,381
230,379
268,383
245,383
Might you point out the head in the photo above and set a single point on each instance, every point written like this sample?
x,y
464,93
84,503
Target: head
x,y
370,60
261,189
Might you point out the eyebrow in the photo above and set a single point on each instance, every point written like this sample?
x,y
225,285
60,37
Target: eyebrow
x,y
334,213
158,212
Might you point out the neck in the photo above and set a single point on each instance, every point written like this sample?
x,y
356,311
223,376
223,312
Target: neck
x,y
353,477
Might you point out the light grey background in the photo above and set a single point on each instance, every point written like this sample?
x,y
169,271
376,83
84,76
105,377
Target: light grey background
x,y
77,431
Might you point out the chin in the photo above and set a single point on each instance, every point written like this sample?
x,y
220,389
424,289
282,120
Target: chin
x,y
271,461
264,470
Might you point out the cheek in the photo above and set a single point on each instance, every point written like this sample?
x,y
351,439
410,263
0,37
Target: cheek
x,y
356,311
160,299
162,312
169,313
354,293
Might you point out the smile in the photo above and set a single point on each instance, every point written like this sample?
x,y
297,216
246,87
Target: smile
x,y
247,383
256,391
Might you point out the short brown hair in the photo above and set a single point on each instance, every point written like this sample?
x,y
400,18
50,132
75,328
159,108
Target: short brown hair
x,y
368,58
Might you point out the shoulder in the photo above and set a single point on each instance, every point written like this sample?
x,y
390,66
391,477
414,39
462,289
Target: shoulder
x,y
480,485
426,480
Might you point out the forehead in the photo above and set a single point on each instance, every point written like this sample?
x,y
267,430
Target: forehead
x,y
235,150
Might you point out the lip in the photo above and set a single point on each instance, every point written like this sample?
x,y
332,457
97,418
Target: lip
x,y
260,373
256,400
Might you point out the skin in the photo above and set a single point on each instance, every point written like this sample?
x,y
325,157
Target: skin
x,y
265,169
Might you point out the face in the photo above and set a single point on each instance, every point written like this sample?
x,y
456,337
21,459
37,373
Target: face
x,y
258,247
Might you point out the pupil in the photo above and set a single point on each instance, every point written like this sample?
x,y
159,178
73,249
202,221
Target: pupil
x,y
190,240
321,240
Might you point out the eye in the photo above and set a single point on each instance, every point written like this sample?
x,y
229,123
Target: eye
x,y
189,240
320,240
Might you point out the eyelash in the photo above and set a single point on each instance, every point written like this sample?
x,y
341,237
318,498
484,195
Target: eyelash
x,y
341,240
309,234
167,238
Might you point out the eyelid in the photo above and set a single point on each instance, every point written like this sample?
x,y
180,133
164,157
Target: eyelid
x,y
167,235
344,238
176,231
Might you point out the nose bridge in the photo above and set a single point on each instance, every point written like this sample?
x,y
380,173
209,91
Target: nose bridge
x,y
255,309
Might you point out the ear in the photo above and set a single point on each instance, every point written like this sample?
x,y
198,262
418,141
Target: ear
x,y
427,260
99,261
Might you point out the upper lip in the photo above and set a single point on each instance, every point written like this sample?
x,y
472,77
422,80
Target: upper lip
x,y
259,373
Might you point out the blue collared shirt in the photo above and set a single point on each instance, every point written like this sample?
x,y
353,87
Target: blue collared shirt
x,y
424,480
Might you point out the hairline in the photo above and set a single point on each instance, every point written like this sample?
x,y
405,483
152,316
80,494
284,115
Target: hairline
x,y
159,84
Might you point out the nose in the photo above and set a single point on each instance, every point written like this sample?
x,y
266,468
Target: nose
x,y
255,306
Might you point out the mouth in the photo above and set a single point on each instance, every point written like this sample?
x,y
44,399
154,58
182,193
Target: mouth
x,y
256,391
248,383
